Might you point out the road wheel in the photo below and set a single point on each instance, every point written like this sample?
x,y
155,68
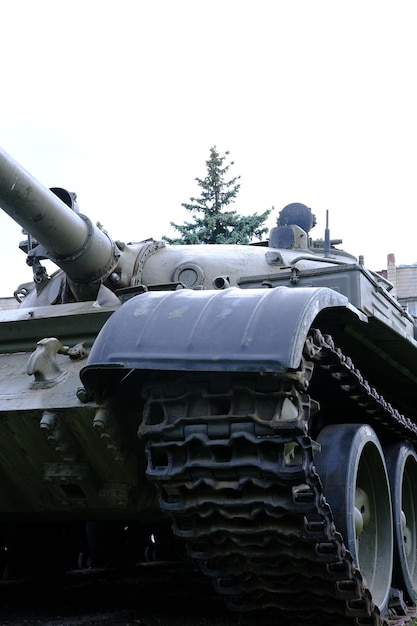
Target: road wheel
x,y
352,468
401,460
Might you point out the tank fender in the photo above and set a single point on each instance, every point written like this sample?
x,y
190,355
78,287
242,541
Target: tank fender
x,y
261,330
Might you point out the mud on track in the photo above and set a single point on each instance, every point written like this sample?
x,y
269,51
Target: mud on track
x,y
150,594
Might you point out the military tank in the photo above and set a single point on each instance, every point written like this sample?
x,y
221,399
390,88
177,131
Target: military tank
x,y
260,400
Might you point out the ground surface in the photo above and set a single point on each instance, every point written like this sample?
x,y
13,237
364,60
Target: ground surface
x,y
152,594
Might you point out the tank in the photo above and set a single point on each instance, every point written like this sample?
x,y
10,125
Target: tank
x,y
253,407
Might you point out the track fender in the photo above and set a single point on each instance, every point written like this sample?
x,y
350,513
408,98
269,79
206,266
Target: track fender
x,y
234,329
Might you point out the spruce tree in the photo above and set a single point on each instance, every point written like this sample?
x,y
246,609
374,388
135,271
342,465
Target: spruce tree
x,y
212,222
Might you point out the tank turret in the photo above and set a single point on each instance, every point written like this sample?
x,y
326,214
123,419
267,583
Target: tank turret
x,y
91,262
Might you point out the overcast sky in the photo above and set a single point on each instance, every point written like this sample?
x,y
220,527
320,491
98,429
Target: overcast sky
x,y
121,101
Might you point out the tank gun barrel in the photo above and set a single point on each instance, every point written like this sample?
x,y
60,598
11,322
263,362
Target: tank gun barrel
x,y
69,239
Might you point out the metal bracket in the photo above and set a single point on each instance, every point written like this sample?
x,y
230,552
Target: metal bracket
x,y
43,363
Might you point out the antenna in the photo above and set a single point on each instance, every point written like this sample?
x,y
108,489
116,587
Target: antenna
x,y
327,236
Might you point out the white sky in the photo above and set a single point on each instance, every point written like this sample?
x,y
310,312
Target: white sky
x,y
121,101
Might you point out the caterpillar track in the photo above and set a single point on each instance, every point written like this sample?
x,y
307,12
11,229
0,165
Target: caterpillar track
x,y
234,458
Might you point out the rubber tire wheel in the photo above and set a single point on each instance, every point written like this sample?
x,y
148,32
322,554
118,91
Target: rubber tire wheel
x,y
352,469
401,460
